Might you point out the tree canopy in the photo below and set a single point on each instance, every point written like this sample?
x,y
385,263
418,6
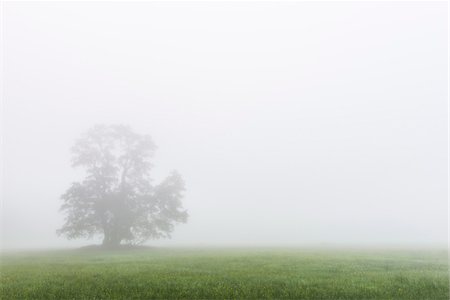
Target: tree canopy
x,y
117,199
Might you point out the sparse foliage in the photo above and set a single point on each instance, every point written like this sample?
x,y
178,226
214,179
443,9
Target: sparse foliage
x,y
117,199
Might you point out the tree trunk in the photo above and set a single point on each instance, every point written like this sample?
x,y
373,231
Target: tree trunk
x,y
111,241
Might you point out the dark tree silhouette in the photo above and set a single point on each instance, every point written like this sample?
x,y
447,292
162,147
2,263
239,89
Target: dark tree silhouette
x,y
117,199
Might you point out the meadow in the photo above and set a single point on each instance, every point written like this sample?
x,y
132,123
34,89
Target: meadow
x,y
210,273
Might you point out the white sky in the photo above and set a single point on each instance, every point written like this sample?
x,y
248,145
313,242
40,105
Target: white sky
x,y
291,123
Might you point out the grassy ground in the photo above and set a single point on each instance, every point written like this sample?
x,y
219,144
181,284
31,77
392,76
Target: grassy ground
x,y
225,274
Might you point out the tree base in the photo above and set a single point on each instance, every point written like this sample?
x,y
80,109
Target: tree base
x,y
121,247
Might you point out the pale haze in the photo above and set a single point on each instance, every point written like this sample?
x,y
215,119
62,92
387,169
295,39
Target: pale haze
x,y
294,123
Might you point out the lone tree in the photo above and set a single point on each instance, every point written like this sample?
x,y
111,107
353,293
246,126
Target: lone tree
x,y
117,199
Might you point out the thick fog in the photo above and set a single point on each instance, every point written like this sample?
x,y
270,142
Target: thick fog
x,y
291,123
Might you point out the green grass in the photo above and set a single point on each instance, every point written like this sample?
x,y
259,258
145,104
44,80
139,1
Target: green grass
x,y
226,274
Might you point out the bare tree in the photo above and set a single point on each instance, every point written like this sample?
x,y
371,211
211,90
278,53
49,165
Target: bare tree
x,y
116,199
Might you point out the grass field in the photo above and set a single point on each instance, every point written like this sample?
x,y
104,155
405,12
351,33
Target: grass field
x,y
225,274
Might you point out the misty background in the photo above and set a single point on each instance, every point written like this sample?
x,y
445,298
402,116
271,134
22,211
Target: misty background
x,y
291,123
